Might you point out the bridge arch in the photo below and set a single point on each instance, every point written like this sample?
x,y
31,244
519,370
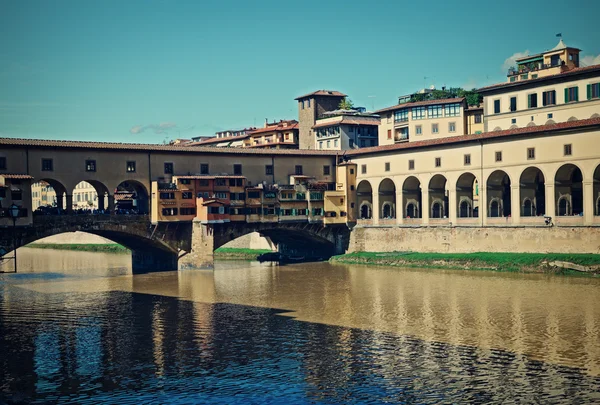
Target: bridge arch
x,y
132,195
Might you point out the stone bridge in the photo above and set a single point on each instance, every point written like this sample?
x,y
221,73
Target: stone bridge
x,y
169,246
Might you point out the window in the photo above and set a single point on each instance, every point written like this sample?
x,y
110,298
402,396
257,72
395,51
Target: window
x,y
269,170
351,171
298,170
166,196
335,143
320,144
253,194
593,91
362,143
237,169
438,162
328,143
187,211
363,169
498,156
534,76
387,166
568,150
2,163
434,128
316,196
222,196
352,187
90,165
467,160
513,104
513,121
203,168
549,97
452,127
130,167
351,143
317,212
16,195
525,76
302,102
185,181
401,115
571,94
203,183
550,116
530,153
168,168
308,103
496,106
452,110
532,100
418,129
435,111
47,165
389,134
418,113
187,195
478,118
411,165
326,170
389,118
168,212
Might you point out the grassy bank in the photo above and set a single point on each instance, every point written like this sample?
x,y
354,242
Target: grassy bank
x,y
82,247
521,262
238,253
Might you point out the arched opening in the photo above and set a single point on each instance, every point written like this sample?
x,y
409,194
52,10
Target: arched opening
x,y
411,197
131,197
387,198
568,186
89,197
364,194
498,194
467,195
48,197
532,191
596,188
438,196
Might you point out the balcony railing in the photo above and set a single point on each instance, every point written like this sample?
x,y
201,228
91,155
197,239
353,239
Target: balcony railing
x,y
401,138
512,71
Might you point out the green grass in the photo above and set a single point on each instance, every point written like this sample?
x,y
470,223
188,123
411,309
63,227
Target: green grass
x,y
239,253
82,247
533,262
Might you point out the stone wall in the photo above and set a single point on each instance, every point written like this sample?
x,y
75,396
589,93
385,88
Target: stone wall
x,y
466,240
251,241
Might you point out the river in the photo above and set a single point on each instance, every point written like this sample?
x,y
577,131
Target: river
x,y
77,327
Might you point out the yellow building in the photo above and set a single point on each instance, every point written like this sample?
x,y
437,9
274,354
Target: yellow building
x,y
275,135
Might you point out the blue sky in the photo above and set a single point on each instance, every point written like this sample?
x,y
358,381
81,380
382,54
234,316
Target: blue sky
x,y
145,71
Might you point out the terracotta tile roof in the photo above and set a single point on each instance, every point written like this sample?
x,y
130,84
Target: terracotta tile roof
x,y
217,140
16,176
422,103
332,93
540,130
292,124
269,144
123,196
572,72
208,177
39,143
349,120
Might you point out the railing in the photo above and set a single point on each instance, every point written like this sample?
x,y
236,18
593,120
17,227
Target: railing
x,y
401,138
512,71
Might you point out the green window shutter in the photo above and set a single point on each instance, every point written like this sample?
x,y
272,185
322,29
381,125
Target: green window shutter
x,y
529,101
589,91
566,95
576,93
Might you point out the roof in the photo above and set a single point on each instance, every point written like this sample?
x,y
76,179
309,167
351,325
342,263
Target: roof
x,y
16,176
349,120
212,201
331,93
292,124
422,103
271,144
218,140
130,147
208,177
568,73
123,196
541,129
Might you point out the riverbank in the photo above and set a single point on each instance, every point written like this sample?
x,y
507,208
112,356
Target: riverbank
x,y
239,253
555,263
82,247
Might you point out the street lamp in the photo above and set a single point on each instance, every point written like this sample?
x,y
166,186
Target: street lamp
x,y
13,212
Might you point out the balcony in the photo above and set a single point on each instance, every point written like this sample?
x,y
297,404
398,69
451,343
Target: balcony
x,y
401,138
533,67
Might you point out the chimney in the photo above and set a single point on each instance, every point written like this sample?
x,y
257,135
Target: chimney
x,y
266,122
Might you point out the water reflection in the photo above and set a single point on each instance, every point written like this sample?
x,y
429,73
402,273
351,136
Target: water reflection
x,y
299,334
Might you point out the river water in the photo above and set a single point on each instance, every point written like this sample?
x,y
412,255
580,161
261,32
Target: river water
x,y
77,327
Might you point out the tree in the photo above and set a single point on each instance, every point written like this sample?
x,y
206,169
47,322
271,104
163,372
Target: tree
x,y
346,104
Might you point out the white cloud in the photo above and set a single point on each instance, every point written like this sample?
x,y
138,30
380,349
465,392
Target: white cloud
x,y
511,60
590,60
161,128
137,129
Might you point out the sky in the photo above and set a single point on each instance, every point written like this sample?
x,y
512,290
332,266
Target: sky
x,y
154,70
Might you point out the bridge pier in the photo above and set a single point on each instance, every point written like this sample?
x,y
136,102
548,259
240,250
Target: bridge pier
x,y
201,255
144,261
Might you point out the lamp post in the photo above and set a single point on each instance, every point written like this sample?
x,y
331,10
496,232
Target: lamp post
x,y
13,212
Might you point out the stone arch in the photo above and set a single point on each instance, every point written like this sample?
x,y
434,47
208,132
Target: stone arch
x,y
56,197
387,210
564,205
531,124
364,193
513,127
498,190
467,190
495,208
411,197
497,129
89,188
365,210
387,195
133,196
595,115
438,194
550,122
571,119
532,188
568,184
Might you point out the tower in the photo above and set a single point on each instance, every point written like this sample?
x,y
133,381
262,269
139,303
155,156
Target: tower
x,y
311,107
